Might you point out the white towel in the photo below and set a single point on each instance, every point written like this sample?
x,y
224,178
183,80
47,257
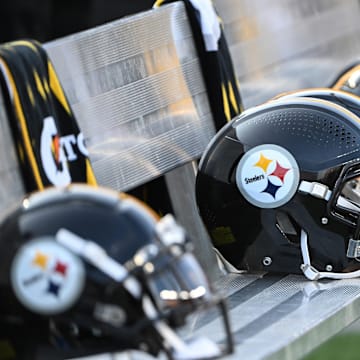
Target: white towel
x,y
209,22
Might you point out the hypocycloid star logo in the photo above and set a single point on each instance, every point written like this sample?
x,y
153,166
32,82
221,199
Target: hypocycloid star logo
x,y
267,176
46,277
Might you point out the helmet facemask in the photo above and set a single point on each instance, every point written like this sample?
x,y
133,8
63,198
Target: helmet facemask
x,y
343,209
179,287
170,284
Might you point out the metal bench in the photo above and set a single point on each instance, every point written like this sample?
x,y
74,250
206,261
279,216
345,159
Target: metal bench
x,y
136,88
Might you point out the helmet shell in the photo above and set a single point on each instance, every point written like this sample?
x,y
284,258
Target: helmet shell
x,y
321,137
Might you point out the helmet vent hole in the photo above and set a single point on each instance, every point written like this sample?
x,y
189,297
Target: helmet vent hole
x,y
311,126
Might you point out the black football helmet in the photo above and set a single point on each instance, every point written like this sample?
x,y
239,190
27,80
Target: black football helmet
x,y
90,270
348,79
343,98
277,189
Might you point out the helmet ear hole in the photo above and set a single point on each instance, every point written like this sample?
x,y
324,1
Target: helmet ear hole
x,y
288,227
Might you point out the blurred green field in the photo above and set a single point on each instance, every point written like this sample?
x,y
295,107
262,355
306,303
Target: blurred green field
x,y
344,346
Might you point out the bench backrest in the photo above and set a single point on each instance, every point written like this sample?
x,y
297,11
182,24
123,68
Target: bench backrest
x,y
136,89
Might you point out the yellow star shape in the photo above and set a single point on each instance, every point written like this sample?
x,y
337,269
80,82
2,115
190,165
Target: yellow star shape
x,y
263,162
40,260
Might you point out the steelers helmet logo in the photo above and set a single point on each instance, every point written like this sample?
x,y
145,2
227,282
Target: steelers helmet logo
x,y
267,176
46,277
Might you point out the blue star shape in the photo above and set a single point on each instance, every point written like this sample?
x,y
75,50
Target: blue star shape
x,y
271,189
53,288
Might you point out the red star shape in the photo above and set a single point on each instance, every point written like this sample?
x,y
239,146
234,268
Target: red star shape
x,y
280,172
61,268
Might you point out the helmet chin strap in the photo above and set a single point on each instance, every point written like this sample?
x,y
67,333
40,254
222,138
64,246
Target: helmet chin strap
x,y
311,272
322,191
